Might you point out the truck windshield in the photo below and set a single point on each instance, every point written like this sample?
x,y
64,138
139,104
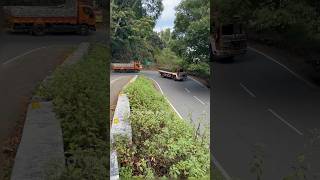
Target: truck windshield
x,y
88,12
232,29
237,29
227,29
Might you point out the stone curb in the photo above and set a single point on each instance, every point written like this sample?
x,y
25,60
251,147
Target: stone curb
x,y
41,144
121,127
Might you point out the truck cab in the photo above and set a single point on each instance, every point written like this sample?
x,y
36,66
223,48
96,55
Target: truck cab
x,y
228,40
87,16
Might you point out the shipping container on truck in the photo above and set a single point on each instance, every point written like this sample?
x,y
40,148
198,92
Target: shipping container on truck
x,y
73,16
133,66
176,74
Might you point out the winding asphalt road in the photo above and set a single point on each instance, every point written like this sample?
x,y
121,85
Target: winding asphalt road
x,y
190,98
256,100
25,61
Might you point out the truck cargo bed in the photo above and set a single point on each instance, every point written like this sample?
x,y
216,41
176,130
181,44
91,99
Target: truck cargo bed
x,y
67,10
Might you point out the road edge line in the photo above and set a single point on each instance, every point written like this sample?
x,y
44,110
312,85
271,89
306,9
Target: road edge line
x,y
285,67
116,79
24,54
220,168
215,161
198,82
167,99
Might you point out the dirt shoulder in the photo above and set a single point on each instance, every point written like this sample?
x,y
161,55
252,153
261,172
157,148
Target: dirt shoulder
x,y
300,65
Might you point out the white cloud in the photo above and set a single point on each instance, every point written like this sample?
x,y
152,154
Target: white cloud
x,y
167,17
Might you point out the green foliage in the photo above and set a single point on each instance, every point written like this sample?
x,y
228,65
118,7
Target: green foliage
x,y
258,161
163,144
165,36
80,96
167,59
132,29
199,69
190,38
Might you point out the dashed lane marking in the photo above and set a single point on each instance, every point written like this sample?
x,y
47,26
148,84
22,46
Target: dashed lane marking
x,y
284,121
248,91
199,100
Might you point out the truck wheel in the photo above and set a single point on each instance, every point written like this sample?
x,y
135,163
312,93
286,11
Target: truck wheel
x,y
84,30
175,78
38,30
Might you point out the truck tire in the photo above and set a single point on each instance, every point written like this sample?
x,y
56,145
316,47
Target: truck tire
x,y
38,30
84,30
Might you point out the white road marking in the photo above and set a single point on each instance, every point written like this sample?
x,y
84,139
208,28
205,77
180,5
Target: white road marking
x,y
284,121
221,169
24,54
188,91
285,67
198,82
167,99
158,86
131,81
116,79
199,100
247,90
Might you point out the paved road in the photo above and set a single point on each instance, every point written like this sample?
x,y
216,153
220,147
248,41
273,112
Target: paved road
x,y
24,62
256,100
189,98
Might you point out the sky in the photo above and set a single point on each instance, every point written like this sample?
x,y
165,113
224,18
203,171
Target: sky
x,y
167,17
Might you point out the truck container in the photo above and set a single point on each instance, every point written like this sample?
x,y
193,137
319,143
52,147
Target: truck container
x,y
72,16
176,74
133,66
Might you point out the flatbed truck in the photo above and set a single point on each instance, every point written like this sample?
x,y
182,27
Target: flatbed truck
x,y
178,75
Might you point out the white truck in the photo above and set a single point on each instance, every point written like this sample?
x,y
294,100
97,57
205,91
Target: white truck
x,y
177,75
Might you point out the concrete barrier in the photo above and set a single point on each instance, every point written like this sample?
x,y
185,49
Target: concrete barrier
x,y
41,146
121,128
41,143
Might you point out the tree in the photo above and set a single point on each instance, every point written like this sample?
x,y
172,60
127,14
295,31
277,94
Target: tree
x,y
132,29
165,36
192,29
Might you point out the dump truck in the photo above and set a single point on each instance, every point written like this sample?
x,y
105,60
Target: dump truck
x,y
175,74
73,16
227,39
133,66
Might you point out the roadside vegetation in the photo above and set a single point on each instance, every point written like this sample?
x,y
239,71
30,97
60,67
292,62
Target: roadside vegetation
x,y
163,145
290,25
80,96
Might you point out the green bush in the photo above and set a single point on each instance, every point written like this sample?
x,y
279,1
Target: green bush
x,y
167,59
163,144
199,69
80,96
